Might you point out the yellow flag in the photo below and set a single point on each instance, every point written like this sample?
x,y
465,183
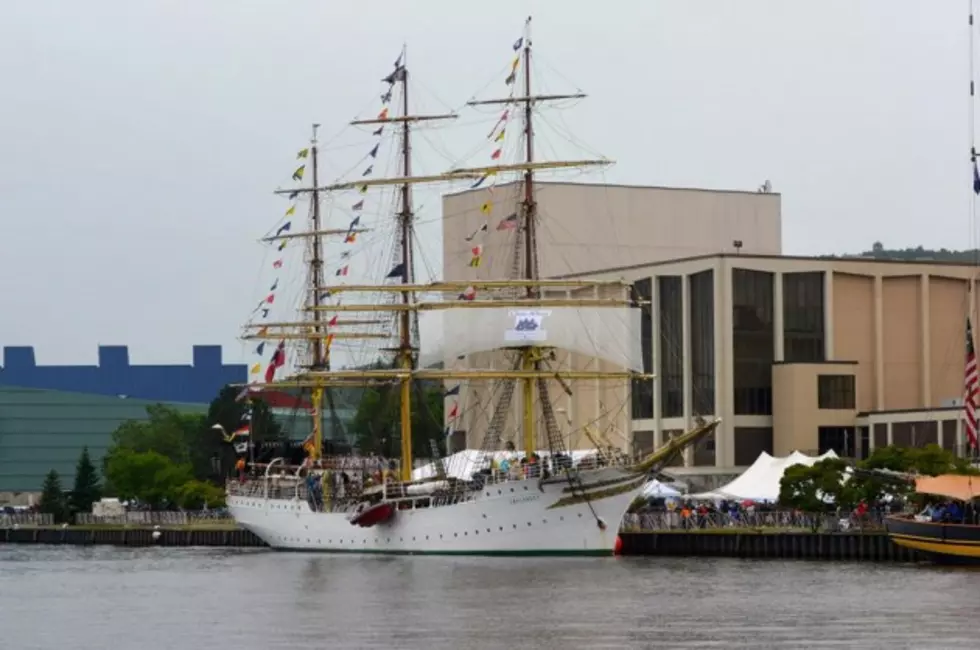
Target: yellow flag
x,y
362,189
500,136
282,244
298,174
486,207
475,262
514,64
256,369
329,340
291,210
302,153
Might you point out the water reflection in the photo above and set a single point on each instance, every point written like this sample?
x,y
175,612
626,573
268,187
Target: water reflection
x,y
260,600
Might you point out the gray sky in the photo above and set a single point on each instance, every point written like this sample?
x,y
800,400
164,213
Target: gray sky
x,y
141,141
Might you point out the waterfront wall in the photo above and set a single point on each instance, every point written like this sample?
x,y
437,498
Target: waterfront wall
x,y
131,537
867,547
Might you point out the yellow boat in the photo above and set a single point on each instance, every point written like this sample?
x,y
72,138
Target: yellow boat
x,y
942,542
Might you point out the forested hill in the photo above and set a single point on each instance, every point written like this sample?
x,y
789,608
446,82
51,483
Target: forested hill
x,y
878,251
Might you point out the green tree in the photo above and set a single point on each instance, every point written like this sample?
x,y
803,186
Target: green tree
x,y
148,476
377,422
53,497
212,457
166,431
194,495
86,490
811,489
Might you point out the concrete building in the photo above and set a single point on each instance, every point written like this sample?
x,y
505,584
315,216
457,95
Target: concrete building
x,y
801,354
583,227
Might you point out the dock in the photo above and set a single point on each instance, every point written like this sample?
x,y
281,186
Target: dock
x,y
870,546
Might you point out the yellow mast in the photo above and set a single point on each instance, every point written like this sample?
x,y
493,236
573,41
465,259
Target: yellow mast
x,y
320,353
406,355
530,355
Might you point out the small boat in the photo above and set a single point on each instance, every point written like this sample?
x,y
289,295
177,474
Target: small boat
x,y
371,515
953,540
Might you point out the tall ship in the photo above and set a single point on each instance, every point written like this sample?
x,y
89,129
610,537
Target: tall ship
x,y
509,343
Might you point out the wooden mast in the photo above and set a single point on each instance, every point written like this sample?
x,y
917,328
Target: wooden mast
x,y
530,353
316,280
406,355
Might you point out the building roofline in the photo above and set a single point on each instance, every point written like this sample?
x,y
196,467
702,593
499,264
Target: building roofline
x,y
751,256
621,186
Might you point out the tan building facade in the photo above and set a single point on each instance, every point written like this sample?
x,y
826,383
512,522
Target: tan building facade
x,y
581,228
584,227
802,354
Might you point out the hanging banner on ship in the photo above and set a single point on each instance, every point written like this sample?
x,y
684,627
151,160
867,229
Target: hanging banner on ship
x,y
528,326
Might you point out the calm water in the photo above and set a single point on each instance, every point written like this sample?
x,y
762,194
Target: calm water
x,y
197,599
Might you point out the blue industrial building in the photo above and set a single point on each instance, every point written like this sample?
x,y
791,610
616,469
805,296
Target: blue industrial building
x,y
197,383
49,413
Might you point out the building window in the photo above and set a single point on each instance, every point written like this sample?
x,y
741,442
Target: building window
x,y
803,316
752,341
840,440
642,389
702,308
704,452
835,391
750,442
672,347
642,443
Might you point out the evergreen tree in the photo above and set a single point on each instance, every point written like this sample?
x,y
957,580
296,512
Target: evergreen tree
x,y
86,490
53,497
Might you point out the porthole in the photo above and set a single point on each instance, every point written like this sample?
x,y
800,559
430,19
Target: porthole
x,y
529,523
515,526
501,528
455,534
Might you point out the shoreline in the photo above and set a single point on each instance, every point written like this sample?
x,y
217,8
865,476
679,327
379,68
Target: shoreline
x,y
869,546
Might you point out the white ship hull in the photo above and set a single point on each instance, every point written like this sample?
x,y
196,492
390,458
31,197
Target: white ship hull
x,y
526,517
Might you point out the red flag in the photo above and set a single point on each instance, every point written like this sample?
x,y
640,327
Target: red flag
x,y
454,411
278,361
333,321
277,264
496,154
271,298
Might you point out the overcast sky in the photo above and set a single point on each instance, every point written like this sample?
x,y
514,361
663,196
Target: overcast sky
x,y
140,141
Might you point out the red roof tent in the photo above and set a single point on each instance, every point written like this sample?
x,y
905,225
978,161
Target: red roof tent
x,y
279,400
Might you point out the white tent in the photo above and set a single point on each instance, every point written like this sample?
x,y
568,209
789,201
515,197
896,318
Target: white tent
x,y
654,489
760,482
464,464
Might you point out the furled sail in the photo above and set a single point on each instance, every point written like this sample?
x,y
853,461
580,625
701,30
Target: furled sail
x,y
608,333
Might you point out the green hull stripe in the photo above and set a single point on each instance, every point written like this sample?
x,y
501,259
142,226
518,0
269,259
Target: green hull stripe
x,y
528,553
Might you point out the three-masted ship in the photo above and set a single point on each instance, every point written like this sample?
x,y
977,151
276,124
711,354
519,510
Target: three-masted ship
x,y
539,500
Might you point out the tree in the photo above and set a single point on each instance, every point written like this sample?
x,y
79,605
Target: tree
x,y
53,497
86,490
194,495
147,476
812,489
228,411
377,427
166,431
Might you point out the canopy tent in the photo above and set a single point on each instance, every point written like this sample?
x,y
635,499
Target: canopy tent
x,y
654,489
760,482
464,464
954,486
